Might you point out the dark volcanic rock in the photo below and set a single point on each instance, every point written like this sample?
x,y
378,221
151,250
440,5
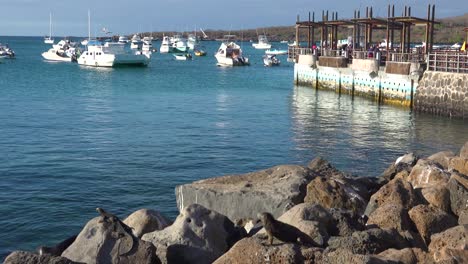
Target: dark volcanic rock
x,y
345,222
273,190
458,188
403,163
372,241
390,216
430,220
22,257
453,238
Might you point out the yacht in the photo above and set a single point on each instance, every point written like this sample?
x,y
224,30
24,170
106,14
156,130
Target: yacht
x,y
262,43
147,47
111,54
166,45
49,39
230,54
136,42
179,44
270,60
64,50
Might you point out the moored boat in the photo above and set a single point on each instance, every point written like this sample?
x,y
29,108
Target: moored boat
x,y
136,42
166,45
262,43
183,56
111,54
271,60
230,54
6,52
49,39
64,50
275,52
199,52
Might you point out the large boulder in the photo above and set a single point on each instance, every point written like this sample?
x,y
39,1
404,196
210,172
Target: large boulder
x,y
390,216
371,241
427,173
451,256
22,257
430,220
311,219
406,256
458,188
332,193
396,192
323,168
453,238
254,250
459,164
404,163
437,196
273,190
442,158
146,220
198,235
106,239
345,255
463,217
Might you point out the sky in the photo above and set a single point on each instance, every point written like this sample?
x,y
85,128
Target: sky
x,y
70,17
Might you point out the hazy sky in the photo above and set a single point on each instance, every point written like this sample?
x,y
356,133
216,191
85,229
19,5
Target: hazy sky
x,y
69,17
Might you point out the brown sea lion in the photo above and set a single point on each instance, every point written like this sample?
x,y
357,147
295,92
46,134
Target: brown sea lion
x,y
284,232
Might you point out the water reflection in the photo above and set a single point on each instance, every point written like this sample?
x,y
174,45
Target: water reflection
x,y
362,137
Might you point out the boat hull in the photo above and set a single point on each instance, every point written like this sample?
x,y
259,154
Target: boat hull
x,y
53,56
261,46
228,61
114,60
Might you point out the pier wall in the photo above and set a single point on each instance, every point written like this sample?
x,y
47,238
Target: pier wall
x,y
443,93
365,79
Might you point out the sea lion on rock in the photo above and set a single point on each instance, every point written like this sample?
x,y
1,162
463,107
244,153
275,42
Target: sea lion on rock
x,y
58,249
284,232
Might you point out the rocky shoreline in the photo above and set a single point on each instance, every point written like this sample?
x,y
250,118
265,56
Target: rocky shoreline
x,y
414,212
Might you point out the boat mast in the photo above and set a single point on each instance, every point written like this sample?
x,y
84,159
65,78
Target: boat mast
x,y
50,25
89,25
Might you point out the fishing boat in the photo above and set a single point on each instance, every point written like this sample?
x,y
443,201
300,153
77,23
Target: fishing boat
x,y
64,50
230,54
49,39
179,44
183,56
270,60
275,52
123,39
192,41
111,54
262,43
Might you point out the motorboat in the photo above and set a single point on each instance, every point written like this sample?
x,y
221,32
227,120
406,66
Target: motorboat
x,y
294,44
276,52
136,42
179,44
183,56
230,54
284,42
84,42
111,54
64,50
49,39
6,52
123,39
147,47
166,45
262,43
199,52
270,60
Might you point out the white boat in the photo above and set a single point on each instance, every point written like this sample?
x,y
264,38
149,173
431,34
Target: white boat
x,y
294,44
166,45
262,43
284,41
271,60
230,54
136,42
84,42
49,39
184,56
6,52
179,44
64,50
275,52
111,54
123,39
147,46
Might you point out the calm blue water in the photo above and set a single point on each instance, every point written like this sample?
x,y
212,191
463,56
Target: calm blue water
x,y
73,138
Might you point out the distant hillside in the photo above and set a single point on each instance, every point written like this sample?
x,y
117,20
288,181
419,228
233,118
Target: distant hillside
x,y
449,31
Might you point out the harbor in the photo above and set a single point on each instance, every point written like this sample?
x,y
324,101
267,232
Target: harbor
x,y
424,78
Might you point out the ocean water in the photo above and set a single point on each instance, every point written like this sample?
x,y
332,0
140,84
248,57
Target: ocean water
x,y
74,138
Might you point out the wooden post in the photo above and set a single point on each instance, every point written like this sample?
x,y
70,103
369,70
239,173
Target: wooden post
x,y
297,31
370,26
408,38
308,34
388,33
432,27
392,32
426,48
366,36
313,29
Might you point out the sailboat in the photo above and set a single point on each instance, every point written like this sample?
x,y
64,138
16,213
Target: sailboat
x,y
49,39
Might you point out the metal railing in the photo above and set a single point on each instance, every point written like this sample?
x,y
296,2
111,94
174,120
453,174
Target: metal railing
x,y
448,62
407,57
294,51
